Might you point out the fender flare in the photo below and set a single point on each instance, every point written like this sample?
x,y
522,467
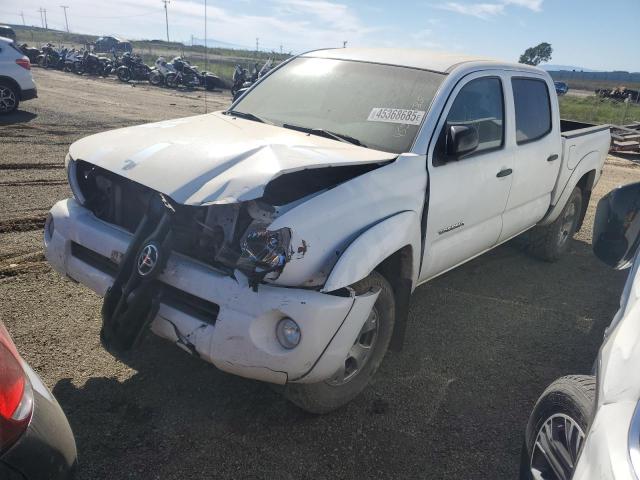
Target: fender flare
x,y
583,167
375,245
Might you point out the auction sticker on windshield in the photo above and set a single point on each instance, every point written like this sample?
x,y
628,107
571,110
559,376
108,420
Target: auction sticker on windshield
x,y
396,115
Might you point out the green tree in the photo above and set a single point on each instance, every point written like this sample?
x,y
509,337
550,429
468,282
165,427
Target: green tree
x,y
536,55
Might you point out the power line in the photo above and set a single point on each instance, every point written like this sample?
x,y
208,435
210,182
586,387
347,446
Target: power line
x,y
166,15
64,7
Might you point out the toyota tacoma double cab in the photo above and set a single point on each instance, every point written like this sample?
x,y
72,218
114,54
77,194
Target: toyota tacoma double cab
x,y
281,239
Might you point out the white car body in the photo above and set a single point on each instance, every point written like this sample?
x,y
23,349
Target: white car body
x,y
338,235
11,72
611,448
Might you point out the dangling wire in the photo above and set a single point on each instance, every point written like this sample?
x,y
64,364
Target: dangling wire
x,y
206,57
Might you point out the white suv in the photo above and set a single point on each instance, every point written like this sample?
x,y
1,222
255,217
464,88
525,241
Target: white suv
x,y
16,81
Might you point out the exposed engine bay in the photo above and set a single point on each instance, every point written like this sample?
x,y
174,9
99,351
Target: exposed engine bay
x,y
225,236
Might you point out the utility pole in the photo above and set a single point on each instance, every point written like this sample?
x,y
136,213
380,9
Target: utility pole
x,y
166,15
46,25
344,44
41,17
280,49
66,22
257,45
22,15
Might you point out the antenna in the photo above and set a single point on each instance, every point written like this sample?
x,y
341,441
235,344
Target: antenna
x,y
206,58
166,15
66,22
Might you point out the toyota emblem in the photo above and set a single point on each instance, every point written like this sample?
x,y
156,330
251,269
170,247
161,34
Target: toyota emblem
x,y
148,259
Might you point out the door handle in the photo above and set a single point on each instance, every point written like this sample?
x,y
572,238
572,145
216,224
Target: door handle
x,y
504,173
552,157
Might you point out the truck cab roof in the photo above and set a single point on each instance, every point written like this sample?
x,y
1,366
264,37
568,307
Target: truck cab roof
x,y
435,61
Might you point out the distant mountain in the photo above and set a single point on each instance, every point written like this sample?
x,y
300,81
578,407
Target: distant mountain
x,y
556,68
213,43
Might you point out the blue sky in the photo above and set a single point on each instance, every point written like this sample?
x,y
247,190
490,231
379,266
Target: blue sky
x,y
587,33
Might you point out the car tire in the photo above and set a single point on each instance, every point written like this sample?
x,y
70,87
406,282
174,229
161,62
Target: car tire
x,y
550,242
567,404
333,393
9,97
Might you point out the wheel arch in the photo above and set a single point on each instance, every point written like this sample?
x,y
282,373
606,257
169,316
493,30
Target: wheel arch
x,y
12,82
585,184
392,248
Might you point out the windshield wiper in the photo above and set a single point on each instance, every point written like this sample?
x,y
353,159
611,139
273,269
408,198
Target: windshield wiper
x,y
341,137
245,115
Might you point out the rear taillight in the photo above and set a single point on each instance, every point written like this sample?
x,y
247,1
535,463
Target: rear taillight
x,y
24,63
16,396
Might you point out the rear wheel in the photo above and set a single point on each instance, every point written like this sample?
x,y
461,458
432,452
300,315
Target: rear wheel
x,y
557,429
549,242
9,97
361,362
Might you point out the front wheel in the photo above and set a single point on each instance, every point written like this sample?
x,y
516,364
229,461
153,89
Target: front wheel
x,y
155,78
171,80
124,74
362,360
550,242
557,429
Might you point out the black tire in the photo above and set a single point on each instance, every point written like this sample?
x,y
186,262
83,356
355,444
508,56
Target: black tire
x,y
572,396
9,97
551,241
124,74
323,397
171,80
155,78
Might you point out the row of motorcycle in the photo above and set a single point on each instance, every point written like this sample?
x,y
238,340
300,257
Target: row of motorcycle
x,y
126,67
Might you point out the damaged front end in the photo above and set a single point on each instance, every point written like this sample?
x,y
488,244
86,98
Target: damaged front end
x,y
230,237
227,237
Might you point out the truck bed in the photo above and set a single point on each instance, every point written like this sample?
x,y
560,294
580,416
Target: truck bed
x,y
573,128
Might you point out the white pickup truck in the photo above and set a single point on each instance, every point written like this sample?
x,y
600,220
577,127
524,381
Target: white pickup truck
x,y
281,239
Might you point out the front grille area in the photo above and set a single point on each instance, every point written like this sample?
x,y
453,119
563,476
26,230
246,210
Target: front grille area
x,y
197,307
123,202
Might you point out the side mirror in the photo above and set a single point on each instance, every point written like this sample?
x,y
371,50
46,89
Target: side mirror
x,y
461,139
616,227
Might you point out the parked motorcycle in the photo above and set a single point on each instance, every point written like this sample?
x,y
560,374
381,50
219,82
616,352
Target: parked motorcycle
x,y
71,58
242,81
31,52
240,76
92,64
131,67
160,71
184,74
50,57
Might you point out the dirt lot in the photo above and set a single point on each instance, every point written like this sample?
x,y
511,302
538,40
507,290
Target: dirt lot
x,y
483,340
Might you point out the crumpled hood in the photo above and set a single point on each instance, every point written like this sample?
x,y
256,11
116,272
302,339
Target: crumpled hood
x,y
214,158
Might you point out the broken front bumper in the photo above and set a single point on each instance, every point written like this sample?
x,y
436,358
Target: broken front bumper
x,y
219,318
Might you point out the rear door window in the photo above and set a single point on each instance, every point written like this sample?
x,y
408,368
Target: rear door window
x,y
533,109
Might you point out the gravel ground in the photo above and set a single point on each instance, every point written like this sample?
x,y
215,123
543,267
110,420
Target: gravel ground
x,y
483,341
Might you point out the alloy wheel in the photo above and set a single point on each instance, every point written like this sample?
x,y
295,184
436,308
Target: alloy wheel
x,y
7,99
359,353
556,449
569,218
